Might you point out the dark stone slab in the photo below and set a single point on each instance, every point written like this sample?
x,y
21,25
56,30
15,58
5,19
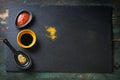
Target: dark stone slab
x,y
83,41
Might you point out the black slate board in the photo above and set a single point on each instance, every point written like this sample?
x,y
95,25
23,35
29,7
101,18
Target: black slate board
x,y
83,44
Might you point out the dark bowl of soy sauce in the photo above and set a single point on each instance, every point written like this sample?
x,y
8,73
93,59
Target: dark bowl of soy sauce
x,y
26,38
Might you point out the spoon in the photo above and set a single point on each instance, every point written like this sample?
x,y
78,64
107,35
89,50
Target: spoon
x,y
16,53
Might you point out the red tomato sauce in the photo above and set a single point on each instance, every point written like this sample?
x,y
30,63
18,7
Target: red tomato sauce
x,y
23,18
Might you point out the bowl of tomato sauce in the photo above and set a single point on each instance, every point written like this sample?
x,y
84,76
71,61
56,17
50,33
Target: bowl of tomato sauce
x,y
23,18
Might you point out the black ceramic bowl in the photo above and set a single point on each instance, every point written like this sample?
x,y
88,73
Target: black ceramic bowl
x,y
25,66
28,21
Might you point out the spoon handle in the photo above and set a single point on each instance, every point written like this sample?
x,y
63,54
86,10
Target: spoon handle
x,y
10,46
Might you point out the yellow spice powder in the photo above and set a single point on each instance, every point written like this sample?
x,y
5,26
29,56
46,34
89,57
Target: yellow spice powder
x,y
52,32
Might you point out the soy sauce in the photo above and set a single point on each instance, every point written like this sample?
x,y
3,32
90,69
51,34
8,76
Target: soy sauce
x,y
26,39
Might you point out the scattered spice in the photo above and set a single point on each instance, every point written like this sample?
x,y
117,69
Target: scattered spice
x,y
52,32
23,18
22,59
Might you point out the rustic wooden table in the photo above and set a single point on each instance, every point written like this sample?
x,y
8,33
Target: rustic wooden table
x,y
61,76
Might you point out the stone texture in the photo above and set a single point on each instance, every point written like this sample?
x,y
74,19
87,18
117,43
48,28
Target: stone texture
x,y
61,76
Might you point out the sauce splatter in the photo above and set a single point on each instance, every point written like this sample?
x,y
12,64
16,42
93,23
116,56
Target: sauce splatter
x,y
2,29
52,32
